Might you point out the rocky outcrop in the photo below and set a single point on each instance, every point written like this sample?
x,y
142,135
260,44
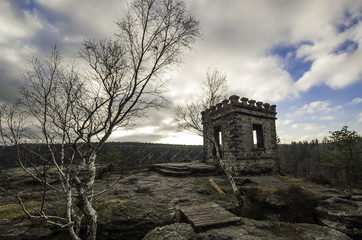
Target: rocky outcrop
x,y
296,200
344,215
148,200
142,201
265,230
177,231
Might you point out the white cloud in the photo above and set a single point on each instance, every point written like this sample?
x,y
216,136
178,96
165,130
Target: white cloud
x,y
182,138
318,107
359,117
258,80
327,118
16,28
261,78
285,138
355,101
309,138
284,122
303,132
307,126
15,25
334,69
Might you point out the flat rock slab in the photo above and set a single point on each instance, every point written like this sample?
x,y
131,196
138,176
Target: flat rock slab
x,y
208,215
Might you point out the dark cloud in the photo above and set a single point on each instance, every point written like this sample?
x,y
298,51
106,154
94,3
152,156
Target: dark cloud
x,y
10,82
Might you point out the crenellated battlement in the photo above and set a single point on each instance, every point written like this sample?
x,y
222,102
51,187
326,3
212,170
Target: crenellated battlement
x,y
244,105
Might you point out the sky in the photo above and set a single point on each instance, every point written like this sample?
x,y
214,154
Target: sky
x,y
305,56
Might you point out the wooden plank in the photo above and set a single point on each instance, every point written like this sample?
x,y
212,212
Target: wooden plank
x,y
208,215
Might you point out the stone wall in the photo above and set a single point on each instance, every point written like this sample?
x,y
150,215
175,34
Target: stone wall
x,y
232,123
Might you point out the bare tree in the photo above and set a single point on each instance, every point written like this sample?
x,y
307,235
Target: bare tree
x,y
188,117
74,114
214,90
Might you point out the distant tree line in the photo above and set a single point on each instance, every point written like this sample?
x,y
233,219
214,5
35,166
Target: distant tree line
x,y
140,155
123,155
337,158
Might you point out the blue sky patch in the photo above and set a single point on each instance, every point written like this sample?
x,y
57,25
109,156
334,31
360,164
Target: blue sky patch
x,y
30,5
348,46
347,22
294,65
27,5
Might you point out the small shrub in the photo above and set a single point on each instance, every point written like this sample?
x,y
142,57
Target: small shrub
x,y
357,231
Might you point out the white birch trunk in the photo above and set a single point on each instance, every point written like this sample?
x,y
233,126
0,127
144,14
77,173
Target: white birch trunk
x,y
228,174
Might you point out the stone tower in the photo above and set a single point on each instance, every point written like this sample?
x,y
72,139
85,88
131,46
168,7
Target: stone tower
x,y
245,133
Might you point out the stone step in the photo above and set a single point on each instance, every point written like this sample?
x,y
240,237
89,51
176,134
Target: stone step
x,y
173,173
172,167
183,169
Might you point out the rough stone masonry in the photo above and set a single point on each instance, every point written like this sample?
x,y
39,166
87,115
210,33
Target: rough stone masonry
x,y
245,133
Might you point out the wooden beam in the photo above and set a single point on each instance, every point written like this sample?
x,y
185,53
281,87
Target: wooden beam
x,y
217,188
